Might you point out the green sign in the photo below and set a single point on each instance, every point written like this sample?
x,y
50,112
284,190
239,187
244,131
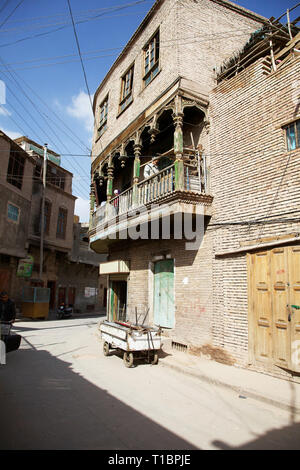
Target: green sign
x,y
25,267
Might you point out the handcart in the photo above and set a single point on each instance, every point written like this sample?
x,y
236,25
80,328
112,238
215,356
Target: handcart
x,y
134,340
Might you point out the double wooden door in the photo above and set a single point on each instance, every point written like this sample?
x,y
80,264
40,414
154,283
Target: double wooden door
x,y
274,306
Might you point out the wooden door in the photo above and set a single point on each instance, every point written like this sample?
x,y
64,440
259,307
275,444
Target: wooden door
x,y
294,305
279,271
118,300
71,296
262,307
61,295
164,311
274,323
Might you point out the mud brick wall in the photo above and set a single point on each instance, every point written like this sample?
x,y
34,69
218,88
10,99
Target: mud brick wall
x,y
252,176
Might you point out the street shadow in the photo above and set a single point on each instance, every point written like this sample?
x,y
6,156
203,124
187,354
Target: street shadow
x,y
44,404
285,438
19,329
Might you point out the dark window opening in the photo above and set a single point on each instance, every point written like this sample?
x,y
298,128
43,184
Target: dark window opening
x,y
15,169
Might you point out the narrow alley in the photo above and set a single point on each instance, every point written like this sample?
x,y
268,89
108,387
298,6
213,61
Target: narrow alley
x,y
60,392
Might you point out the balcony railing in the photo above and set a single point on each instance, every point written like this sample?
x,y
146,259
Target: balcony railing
x,y
151,190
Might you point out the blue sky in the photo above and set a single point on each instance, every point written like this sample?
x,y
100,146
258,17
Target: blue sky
x,y
46,95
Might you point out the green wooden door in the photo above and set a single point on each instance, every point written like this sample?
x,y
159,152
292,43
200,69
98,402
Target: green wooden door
x,y
164,311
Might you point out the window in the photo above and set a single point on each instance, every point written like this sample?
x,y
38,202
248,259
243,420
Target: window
x,y
61,223
126,89
292,132
151,59
55,176
103,117
13,212
15,169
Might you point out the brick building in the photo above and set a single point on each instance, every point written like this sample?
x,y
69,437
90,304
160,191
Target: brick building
x,y
255,156
16,172
182,143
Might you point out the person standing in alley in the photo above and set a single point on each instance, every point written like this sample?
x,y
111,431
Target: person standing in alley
x,y
8,316
7,308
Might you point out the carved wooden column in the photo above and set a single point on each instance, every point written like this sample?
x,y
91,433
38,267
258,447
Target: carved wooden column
x,y
136,167
92,202
110,177
178,144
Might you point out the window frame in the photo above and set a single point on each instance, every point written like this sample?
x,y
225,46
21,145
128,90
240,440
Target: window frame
x,y
126,97
61,227
151,71
103,113
15,169
293,128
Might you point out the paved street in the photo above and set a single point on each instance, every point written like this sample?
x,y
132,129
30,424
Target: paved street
x,y
59,392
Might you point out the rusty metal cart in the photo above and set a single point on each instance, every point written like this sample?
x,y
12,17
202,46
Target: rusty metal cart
x,y
135,341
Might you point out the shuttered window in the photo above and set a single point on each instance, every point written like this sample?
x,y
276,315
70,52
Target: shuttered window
x,y
61,223
151,59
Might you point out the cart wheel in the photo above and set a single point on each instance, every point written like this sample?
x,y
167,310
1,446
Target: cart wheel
x,y
106,349
155,359
128,359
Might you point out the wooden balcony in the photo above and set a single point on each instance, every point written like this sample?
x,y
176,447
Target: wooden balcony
x,y
162,194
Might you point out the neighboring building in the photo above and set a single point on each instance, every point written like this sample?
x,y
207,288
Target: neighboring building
x,y
16,172
58,218
79,279
255,161
209,144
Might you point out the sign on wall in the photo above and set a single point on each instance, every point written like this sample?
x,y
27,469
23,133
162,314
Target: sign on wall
x,y
25,267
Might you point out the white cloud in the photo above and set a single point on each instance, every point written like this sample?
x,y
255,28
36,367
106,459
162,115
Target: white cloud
x,y
82,209
4,111
11,134
81,109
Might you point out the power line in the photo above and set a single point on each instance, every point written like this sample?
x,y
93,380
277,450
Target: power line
x,y
7,18
82,12
78,22
168,42
4,6
81,143
35,107
79,52
61,23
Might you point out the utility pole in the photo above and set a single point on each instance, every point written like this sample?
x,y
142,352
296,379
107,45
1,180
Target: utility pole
x,y
43,212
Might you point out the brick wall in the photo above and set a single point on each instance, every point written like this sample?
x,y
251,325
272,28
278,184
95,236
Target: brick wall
x,y
194,38
252,176
192,285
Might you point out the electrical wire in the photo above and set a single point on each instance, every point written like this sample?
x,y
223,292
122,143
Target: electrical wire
x,y
4,6
7,18
66,26
80,56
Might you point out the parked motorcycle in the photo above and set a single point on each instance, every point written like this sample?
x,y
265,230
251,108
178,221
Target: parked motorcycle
x,y
64,311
